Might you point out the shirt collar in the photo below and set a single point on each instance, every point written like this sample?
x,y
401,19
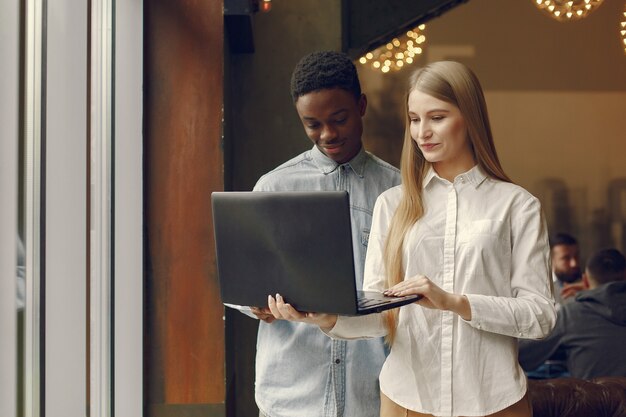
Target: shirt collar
x,y
327,165
430,174
474,176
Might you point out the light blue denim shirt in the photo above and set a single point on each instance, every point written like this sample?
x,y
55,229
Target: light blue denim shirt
x,y
300,372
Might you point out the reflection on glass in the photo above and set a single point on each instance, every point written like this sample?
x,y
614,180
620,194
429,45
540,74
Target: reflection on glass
x,y
21,216
21,275
21,302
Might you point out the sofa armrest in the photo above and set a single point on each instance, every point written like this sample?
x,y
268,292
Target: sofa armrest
x,y
574,397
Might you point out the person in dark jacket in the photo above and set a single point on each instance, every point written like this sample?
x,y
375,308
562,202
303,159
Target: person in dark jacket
x,y
592,329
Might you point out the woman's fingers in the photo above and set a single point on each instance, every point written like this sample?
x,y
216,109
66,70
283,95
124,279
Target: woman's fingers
x,y
282,310
271,304
415,285
432,295
288,312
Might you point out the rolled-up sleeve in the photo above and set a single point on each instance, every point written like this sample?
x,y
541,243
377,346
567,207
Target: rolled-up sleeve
x,y
533,353
358,327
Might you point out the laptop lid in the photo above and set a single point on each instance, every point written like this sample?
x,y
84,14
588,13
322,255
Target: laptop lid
x,y
298,244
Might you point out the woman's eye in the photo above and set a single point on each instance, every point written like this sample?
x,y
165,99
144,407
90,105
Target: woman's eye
x,y
437,118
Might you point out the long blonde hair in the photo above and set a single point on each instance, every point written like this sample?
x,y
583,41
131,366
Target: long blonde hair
x,y
456,84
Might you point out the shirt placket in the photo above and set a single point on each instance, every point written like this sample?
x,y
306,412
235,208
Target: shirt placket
x,y
447,317
341,178
335,402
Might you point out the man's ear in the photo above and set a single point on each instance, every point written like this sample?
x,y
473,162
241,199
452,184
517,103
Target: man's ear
x,y
362,104
586,282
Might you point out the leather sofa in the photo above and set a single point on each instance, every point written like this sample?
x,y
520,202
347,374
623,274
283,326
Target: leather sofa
x,y
573,397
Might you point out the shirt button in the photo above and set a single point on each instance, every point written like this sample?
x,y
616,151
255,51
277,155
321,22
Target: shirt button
x,y
337,361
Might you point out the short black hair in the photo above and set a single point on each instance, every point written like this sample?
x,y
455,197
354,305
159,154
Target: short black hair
x,y
324,69
607,265
562,239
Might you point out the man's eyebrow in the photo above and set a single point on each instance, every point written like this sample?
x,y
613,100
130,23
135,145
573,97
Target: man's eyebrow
x,y
332,114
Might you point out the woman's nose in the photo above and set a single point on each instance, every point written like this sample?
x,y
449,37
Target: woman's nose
x,y
424,131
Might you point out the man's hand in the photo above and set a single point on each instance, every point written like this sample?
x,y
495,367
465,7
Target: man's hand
x,y
570,290
263,314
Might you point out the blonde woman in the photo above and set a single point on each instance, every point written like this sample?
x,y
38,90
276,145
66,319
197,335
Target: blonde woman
x,y
473,244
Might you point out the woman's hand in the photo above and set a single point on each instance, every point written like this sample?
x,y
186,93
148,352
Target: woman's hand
x,y
432,296
284,311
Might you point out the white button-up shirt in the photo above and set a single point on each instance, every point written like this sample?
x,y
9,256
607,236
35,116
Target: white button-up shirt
x,y
483,238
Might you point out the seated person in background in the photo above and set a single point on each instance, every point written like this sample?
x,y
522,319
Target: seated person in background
x,y
566,270
592,329
566,277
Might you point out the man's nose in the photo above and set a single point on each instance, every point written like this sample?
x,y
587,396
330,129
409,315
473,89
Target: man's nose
x,y
328,133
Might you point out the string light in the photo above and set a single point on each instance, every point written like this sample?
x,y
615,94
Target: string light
x,y
397,53
568,10
622,29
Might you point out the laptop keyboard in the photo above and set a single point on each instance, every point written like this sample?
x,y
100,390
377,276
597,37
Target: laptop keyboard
x,y
368,300
371,302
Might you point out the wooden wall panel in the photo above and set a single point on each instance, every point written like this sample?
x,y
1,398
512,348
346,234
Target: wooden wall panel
x,y
184,328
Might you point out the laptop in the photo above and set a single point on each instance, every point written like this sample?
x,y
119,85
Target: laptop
x,y
297,244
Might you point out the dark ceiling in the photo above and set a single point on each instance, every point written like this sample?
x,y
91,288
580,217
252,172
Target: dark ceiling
x,y
371,23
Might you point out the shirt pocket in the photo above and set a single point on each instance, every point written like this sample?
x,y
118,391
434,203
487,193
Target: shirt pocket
x,y
365,240
484,248
487,230
365,237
